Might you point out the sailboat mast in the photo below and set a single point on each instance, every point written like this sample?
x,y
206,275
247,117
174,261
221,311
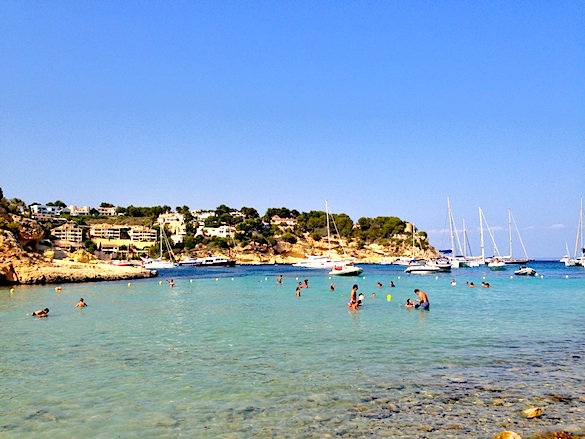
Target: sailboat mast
x,y
451,232
481,235
328,232
464,240
510,232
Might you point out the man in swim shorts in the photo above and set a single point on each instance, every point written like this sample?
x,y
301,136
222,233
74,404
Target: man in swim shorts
x,y
423,300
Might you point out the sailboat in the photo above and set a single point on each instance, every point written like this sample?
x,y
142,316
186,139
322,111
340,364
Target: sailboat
x,y
496,262
460,258
510,259
159,263
322,261
579,244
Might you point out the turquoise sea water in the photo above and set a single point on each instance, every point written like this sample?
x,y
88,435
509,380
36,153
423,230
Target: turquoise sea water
x,y
228,353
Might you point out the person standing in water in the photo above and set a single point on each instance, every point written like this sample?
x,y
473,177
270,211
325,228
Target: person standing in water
x,y
423,300
353,303
81,303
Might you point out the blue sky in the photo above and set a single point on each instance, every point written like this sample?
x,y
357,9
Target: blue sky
x,y
383,108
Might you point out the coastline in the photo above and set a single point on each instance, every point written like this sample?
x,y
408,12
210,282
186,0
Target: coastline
x,y
61,271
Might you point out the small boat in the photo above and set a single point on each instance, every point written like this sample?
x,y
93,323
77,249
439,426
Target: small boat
x,y
417,268
497,264
317,262
443,263
346,270
210,261
525,271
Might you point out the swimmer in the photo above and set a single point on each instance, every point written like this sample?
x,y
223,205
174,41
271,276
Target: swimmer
x,y
332,287
279,279
471,285
485,285
392,284
298,291
379,284
81,303
171,283
453,283
409,303
41,313
306,285
373,295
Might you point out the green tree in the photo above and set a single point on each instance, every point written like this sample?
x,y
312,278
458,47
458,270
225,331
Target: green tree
x,y
57,203
104,204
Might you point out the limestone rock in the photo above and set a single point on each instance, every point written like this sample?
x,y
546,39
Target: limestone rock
x,y
49,254
533,412
507,435
30,233
82,256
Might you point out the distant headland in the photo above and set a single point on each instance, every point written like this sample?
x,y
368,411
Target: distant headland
x,y
56,242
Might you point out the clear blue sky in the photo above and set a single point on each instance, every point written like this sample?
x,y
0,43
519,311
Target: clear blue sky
x,y
381,107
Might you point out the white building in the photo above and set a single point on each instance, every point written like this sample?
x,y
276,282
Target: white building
x,y
39,211
79,210
107,211
221,231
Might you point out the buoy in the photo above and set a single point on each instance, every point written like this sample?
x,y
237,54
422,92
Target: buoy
x,y
191,280
566,276
484,278
297,278
542,276
129,284
398,277
364,277
389,297
57,288
511,277
160,282
265,278
329,277
11,290
232,279
436,277
217,279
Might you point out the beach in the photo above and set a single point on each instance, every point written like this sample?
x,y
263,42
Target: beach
x,y
229,353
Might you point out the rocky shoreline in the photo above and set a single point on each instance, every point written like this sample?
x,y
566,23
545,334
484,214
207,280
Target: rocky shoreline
x,y
73,272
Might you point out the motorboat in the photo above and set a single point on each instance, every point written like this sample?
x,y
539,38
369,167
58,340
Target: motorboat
x,y
318,262
346,270
210,261
443,263
158,264
496,265
525,271
424,268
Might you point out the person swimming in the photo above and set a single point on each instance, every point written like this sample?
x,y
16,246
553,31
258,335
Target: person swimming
x,y
81,303
41,313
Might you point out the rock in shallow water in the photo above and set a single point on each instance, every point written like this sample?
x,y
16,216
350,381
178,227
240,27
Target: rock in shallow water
x,y
533,412
507,435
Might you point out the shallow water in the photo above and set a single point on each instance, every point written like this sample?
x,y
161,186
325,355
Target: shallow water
x,y
228,353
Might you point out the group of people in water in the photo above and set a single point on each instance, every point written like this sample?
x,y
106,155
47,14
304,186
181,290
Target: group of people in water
x,y
45,312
